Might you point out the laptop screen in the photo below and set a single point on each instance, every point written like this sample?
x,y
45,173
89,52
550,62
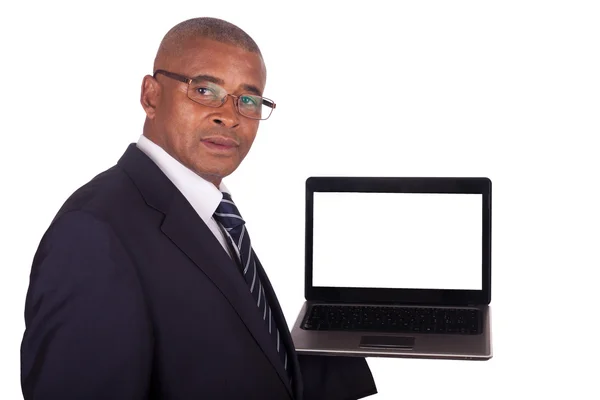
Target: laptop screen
x,y
397,240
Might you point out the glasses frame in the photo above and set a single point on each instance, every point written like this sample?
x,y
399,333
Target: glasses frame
x,y
181,78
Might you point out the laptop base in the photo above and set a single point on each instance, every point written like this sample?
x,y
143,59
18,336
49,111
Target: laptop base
x,y
397,345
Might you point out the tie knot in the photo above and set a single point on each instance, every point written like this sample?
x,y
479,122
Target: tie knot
x,y
228,214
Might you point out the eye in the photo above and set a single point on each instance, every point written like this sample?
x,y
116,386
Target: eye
x,y
204,91
250,101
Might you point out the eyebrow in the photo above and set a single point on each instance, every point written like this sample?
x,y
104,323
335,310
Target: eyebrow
x,y
219,81
251,89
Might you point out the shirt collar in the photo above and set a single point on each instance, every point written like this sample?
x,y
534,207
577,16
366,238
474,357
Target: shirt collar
x,y
200,193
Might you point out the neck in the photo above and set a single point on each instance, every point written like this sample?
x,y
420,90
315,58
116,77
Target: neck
x,y
148,133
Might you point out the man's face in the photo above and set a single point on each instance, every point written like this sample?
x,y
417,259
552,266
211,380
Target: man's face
x,y
212,142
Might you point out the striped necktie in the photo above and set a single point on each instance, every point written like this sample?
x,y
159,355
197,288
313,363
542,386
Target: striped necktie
x,y
230,219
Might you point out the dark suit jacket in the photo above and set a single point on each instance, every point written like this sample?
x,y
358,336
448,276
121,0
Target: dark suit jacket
x,y
132,297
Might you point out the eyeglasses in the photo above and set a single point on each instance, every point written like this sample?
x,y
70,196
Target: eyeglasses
x,y
210,94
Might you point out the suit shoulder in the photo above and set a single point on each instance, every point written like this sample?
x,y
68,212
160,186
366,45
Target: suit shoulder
x,y
109,192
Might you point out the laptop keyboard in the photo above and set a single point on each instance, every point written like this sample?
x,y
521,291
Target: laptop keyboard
x,y
393,319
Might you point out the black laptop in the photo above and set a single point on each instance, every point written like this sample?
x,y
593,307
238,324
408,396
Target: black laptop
x,y
397,267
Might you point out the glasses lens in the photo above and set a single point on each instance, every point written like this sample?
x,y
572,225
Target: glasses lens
x,y
254,107
206,93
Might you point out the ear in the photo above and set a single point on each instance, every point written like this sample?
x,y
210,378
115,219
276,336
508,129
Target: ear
x,y
150,95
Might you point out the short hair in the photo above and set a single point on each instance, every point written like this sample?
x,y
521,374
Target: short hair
x,y
211,28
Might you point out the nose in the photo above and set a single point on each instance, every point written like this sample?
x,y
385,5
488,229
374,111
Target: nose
x,y
227,116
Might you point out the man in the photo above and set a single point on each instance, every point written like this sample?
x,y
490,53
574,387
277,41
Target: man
x,y
145,286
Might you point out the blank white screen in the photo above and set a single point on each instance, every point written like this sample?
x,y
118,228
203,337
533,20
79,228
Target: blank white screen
x,y
397,240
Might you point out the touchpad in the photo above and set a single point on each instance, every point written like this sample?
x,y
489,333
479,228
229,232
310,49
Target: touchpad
x,y
395,342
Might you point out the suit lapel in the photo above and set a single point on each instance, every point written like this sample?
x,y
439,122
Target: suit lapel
x,y
189,233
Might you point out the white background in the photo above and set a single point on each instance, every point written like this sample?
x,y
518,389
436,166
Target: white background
x,y
504,89
397,240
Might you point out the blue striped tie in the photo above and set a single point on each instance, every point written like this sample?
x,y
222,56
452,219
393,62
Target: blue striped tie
x,y
231,220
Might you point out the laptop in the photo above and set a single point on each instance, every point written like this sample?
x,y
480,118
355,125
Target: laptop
x,y
397,267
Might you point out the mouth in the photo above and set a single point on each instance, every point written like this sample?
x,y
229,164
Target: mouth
x,y
220,144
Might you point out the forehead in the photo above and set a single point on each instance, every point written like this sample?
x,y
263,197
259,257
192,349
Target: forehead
x,y
235,66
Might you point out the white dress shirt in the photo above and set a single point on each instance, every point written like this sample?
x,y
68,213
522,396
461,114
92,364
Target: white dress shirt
x,y
201,194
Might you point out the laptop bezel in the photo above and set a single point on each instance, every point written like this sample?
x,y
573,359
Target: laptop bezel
x,y
476,185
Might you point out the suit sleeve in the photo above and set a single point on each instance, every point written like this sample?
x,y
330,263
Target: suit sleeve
x,y
87,330
336,377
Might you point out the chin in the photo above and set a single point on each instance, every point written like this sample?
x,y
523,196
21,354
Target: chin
x,y
212,173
